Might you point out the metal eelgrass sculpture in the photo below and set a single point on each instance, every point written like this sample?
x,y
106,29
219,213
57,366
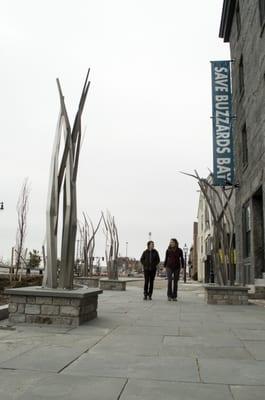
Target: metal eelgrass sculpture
x,y
63,174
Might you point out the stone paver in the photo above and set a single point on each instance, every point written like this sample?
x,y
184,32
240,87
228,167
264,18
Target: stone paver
x,y
140,350
248,392
152,390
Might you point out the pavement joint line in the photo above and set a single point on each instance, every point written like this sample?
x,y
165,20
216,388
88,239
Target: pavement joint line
x,y
85,351
198,369
18,355
123,388
230,390
148,379
246,349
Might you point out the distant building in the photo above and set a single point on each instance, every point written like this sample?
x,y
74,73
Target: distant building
x,y
243,26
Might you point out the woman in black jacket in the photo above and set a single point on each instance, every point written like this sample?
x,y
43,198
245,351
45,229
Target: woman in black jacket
x,y
150,260
174,261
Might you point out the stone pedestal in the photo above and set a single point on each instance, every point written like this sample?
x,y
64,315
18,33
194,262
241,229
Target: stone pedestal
x,y
52,306
87,281
112,284
235,295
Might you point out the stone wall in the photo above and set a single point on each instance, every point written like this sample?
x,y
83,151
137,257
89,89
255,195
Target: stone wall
x,y
233,295
50,306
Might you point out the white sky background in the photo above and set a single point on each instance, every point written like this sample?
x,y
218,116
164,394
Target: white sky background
x,y
147,114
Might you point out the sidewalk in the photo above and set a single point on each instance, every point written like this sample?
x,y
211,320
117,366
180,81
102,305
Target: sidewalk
x,y
148,350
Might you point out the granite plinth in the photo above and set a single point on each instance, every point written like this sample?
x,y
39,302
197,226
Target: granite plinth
x,y
112,284
87,281
236,295
52,306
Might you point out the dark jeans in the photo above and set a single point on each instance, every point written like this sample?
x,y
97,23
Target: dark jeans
x,y
149,277
172,277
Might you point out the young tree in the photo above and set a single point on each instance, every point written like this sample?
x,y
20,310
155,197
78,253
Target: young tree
x,y
22,213
34,259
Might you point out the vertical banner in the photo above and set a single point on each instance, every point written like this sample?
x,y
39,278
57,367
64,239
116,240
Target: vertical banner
x,y
223,155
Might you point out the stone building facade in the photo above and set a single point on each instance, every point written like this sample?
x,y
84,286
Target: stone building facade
x,y
243,26
204,238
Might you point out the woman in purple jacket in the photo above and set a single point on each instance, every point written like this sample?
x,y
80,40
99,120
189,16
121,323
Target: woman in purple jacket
x,y
174,261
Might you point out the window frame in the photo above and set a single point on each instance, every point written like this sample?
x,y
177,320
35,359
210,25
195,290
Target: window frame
x,y
241,76
247,230
262,12
238,19
244,138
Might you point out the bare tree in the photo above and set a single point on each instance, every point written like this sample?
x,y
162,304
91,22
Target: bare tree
x,y
219,203
22,213
112,245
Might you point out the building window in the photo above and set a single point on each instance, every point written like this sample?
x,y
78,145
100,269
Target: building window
x,y
238,19
247,231
241,77
244,146
262,11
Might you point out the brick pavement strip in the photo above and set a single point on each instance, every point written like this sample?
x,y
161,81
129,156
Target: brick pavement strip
x,y
138,350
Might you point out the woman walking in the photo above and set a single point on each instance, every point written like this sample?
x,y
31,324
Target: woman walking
x,y
173,263
150,260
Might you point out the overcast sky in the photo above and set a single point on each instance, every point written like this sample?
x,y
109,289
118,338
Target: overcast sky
x,y
147,114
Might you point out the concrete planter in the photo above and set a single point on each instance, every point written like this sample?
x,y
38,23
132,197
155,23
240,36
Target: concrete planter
x,y
235,295
112,284
87,281
52,306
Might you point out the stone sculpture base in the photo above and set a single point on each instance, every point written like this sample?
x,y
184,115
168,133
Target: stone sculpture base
x,y
112,284
87,281
3,312
52,306
236,295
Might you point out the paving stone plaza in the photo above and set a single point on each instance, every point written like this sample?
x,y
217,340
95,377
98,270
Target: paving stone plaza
x,y
139,349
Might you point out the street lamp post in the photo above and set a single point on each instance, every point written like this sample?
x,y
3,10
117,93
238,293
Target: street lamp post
x,y
126,249
185,251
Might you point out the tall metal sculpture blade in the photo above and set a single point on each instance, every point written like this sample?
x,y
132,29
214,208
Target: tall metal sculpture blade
x,y
64,176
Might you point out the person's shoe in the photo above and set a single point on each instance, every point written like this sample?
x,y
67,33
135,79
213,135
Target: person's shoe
x,y
174,299
145,297
169,298
150,297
